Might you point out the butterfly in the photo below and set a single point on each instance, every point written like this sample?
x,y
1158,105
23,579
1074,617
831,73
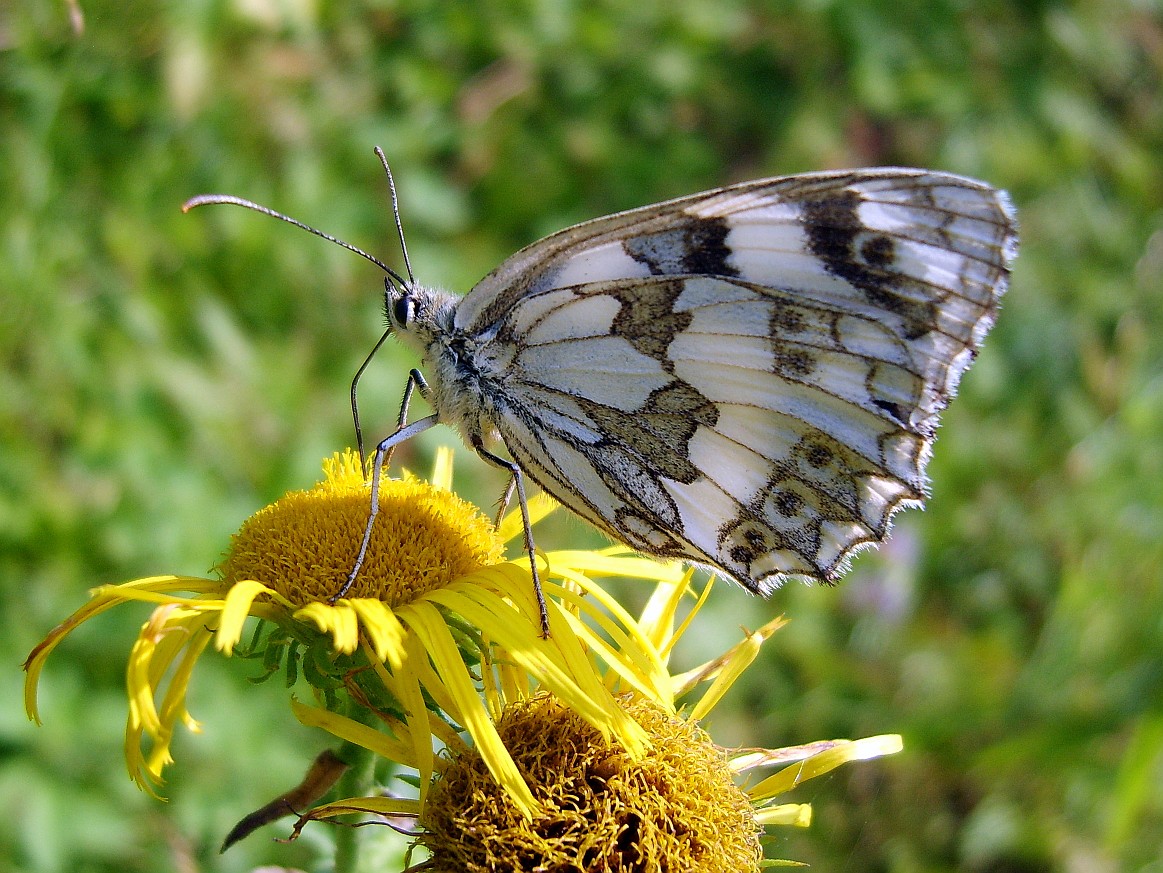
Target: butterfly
x,y
748,379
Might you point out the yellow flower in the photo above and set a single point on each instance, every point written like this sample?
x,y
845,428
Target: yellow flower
x,y
676,808
434,602
566,753
598,805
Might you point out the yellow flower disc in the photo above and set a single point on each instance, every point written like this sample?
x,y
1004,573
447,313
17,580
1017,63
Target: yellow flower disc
x,y
678,809
305,544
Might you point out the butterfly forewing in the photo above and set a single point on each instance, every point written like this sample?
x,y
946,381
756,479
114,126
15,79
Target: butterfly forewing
x,y
748,378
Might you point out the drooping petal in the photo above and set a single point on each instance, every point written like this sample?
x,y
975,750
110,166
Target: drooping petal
x,y
235,611
425,621
383,629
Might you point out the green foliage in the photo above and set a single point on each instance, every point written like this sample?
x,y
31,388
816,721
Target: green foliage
x,y
164,375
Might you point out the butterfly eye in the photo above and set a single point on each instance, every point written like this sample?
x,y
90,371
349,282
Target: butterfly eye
x,y
403,309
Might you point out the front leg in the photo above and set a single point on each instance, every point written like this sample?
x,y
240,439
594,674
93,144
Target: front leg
x,y
355,389
383,456
415,382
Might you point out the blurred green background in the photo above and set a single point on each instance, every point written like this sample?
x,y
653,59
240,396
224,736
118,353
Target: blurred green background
x,y
164,375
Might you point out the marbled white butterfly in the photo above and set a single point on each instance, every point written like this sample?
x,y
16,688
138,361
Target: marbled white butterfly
x,y
749,378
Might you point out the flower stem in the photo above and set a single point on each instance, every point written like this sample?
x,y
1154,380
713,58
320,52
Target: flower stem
x,y
356,782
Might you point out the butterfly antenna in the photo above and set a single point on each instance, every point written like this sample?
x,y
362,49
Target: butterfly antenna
x,y
396,213
208,199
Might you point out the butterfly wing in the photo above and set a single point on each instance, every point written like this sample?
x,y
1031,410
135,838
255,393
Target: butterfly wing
x,y
750,377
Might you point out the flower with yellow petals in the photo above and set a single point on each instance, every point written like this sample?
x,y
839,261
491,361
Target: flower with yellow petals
x,y
389,667
566,753
678,806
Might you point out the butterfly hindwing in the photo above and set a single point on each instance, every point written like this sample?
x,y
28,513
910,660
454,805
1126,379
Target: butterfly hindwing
x,y
669,434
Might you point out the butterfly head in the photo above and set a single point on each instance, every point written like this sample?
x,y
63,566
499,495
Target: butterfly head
x,y
416,314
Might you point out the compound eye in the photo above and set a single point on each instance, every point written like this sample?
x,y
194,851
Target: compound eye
x,y
403,310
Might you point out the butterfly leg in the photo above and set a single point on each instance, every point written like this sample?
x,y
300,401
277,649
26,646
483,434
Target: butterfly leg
x,y
355,389
503,503
517,483
383,452
415,383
